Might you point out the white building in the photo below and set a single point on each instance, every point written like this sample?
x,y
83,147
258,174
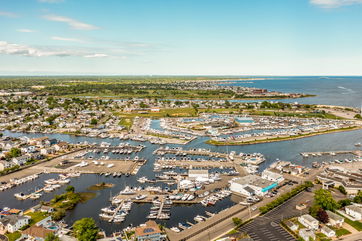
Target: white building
x,y
6,164
13,223
328,232
251,185
308,221
307,234
193,174
334,219
21,160
354,211
272,176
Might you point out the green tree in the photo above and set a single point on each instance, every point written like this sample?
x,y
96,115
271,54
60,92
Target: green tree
x,y
237,221
14,152
313,210
344,202
324,198
94,122
342,189
358,197
51,237
58,215
70,189
85,229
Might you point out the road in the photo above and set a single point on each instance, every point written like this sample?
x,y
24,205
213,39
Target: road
x,y
267,227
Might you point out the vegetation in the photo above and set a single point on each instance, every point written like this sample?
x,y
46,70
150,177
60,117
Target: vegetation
x,y
237,221
14,152
322,216
13,236
51,237
358,197
355,224
179,112
100,186
85,229
324,199
281,199
341,232
342,190
36,217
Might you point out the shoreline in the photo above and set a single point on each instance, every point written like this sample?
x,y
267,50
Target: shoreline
x,y
215,143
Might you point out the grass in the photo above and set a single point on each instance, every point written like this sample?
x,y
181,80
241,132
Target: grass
x,y
13,236
100,186
126,123
355,224
86,196
295,114
222,143
341,232
36,217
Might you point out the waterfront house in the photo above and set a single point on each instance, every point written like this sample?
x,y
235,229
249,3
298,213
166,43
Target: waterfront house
x,y
335,220
307,234
308,221
149,232
328,232
6,164
46,209
272,176
354,211
37,233
13,223
47,151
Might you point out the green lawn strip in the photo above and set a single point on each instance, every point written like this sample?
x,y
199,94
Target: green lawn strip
x,y
13,236
36,217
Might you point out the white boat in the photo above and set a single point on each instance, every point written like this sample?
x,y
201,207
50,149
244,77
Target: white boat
x,y
127,191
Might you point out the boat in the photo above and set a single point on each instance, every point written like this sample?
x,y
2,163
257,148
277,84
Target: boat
x,y
358,144
127,191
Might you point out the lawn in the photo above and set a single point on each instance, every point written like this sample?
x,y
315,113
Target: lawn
x,y
341,232
13,236
36,217
357,225
126,122
179,112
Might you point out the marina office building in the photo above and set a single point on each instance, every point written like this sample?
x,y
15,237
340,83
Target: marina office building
x,y
251,185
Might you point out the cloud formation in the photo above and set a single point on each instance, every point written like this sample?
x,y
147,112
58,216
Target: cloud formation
x,y
75,24
8,14
24,50
334,3
67,39
25,30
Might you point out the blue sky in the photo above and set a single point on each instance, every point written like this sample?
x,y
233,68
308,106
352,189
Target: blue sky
x,y
215,37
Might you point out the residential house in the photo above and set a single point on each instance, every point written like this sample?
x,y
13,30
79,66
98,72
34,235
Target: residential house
x,y
308,221
149,232
13,223
21,160
307,234
6,164
328,232
37,233
354,211
335,220
46,209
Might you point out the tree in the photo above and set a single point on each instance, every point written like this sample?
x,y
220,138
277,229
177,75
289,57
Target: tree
x,y
58,215
322,216
14,152
70,189
344,202
94,122
51,237
324,198
85,229
358,197
237,221
358,116
313,210
342,189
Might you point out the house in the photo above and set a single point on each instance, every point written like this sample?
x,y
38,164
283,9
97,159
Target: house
x,y
334,219
328,232
21,160
149,232
13,223
308,221
28,149
272,176
307,234
291,225
61,146
46,209
6,164
193,174
251,184
354,211
37,233
47,151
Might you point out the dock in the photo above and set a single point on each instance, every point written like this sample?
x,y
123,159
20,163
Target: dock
x,y
331,153
116,211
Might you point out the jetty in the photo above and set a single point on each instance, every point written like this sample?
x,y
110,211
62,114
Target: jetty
x,y
331,153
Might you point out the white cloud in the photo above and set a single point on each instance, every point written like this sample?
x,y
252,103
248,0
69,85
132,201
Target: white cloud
x,y
50,1
67,39
96,56
334,3
24,50
8,14
75,24
25,30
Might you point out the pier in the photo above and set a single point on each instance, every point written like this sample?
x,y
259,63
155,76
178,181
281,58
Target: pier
x,y
331,153
116,211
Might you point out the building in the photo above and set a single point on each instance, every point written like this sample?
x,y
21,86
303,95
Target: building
x,y
307,234
354,211
272,176
328,232
21,160
308,221
149,232
13,223
334,219
5,165
291,225
36,233
193,174
251,185
46,209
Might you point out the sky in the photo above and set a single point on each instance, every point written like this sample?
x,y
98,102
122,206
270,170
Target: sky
x,y
180,37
